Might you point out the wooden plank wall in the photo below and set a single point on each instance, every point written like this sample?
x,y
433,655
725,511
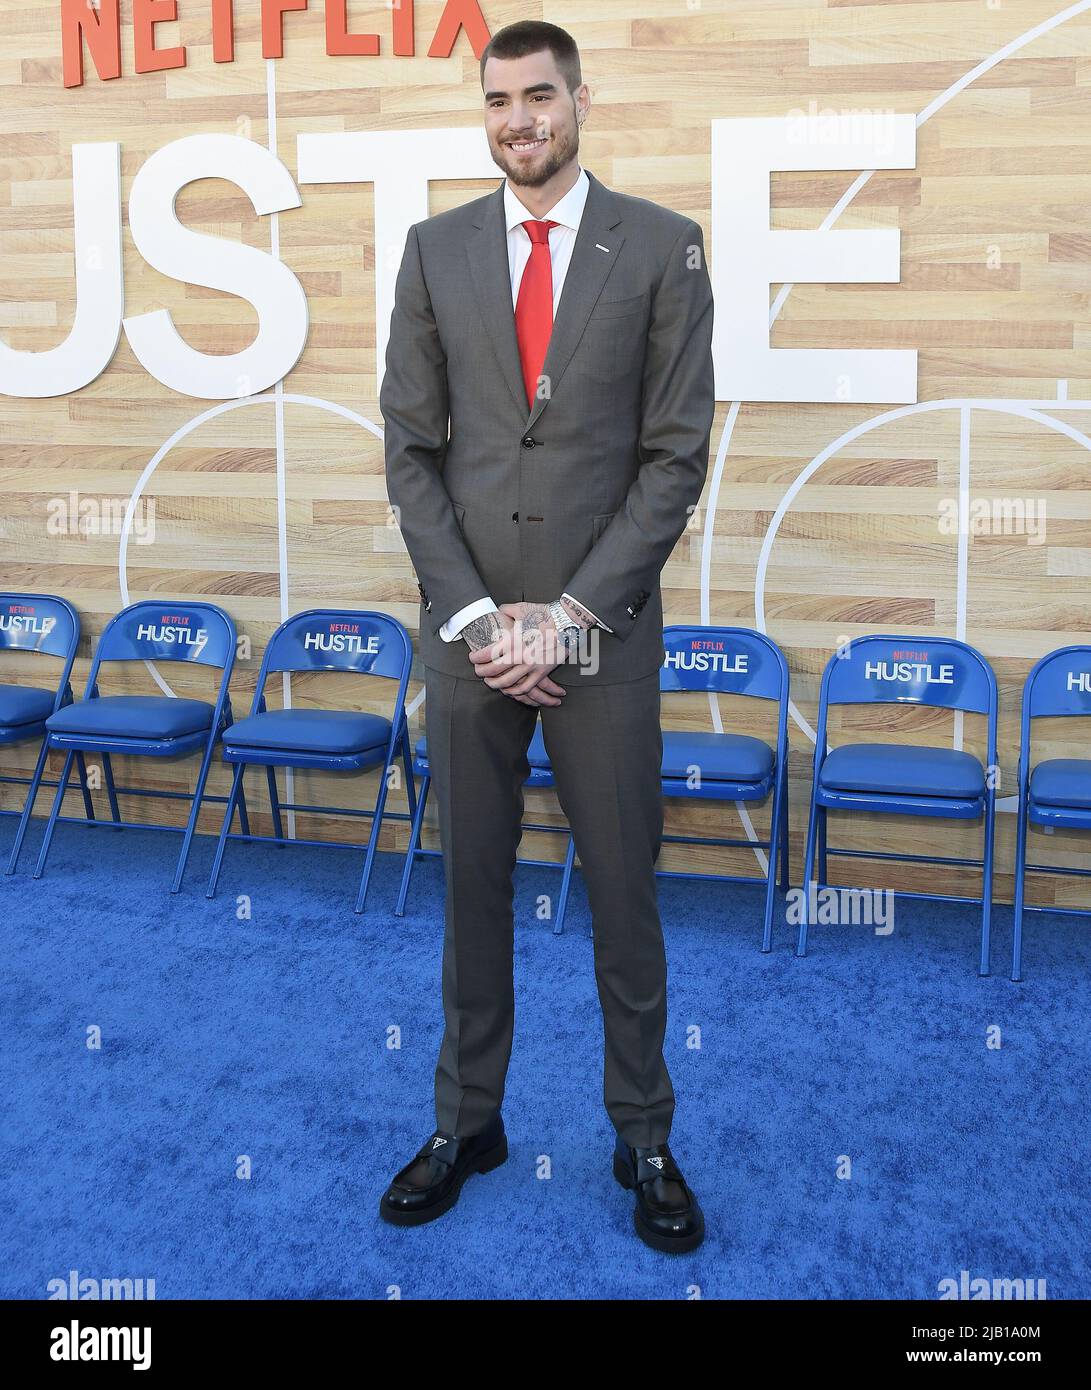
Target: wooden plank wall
x,y
994,293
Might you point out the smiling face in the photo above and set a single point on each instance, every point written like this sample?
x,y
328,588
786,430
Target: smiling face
x,y
531,118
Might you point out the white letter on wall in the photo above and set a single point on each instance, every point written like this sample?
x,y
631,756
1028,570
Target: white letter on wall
x,y
96,326
400,164
253,275
748,257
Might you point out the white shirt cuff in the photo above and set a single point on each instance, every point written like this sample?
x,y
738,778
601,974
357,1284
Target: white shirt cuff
x,y
451,630
587,610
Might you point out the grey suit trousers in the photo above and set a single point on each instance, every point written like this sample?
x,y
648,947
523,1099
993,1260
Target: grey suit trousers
x,y
605,745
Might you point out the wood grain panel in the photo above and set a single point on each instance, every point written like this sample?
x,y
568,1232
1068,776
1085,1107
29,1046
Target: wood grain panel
x,y
994,294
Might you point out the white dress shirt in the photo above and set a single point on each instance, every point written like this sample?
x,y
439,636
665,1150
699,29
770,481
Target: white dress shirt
x,y
566,213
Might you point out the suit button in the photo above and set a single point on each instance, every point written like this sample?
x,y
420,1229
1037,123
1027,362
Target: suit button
x,y
515,516
529,442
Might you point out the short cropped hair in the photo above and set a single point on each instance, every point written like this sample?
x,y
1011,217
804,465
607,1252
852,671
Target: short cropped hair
x,y
531,36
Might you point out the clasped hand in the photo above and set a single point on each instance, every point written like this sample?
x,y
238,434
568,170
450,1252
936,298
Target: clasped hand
x,y
519,659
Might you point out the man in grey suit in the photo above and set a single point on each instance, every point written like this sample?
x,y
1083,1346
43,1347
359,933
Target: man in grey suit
x,y
548,400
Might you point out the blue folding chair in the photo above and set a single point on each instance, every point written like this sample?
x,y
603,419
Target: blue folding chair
x,y
729,767
330,740
1056,792
903,779
50,626
541,775
152,726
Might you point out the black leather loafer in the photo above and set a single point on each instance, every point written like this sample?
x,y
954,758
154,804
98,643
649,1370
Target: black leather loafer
x,y
430,1183
667,1216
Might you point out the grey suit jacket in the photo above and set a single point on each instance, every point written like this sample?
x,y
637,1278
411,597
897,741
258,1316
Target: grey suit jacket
x,y
588,491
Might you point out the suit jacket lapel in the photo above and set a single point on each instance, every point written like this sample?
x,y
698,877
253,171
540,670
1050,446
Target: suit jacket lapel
x,y
487,250
594,255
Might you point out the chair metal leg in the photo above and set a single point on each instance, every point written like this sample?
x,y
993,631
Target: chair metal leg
x,y
28,807
55,810
823,866
111,790
987,889
244,815
808,875
88,804
221,843
195,811
373,838
274,802
1020,878
410,780
785,844
414,842
776,833
566,884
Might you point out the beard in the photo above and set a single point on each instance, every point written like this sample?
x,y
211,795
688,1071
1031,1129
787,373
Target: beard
x,y
557,155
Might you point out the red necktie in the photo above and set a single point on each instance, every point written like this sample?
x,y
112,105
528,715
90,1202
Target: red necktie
x,y
534,307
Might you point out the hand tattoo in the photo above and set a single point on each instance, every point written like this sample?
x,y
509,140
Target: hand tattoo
x,y
482,632
534,630
577,611
535,618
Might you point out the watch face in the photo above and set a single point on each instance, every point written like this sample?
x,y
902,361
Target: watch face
x,y
568,630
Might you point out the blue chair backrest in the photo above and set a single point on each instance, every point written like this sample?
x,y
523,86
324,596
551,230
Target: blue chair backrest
x,y
937,671
170,630
332,639
39,623
1059,684
340,639
733,660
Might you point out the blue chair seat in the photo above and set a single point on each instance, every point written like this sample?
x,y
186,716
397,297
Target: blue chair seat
x,y
903,770
1062,782
24,704
132,716
332,731
719,757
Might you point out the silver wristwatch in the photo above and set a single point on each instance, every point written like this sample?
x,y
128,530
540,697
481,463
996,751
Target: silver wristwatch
x,y
568,629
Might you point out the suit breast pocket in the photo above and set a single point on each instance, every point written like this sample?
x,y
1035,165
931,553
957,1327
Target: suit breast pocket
x,y
619,308
613,342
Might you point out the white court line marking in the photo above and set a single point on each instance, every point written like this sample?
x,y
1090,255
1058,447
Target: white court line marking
x,y
220,408
1002,407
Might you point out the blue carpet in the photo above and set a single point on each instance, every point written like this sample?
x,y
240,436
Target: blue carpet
x,y
270,1038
